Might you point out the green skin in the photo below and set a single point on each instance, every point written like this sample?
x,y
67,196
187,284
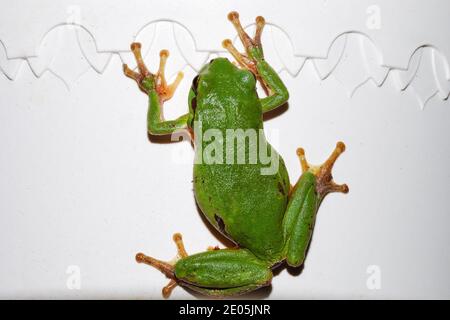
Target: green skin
x,y
267,221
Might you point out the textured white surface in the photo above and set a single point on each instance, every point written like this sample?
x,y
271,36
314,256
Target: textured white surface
x,y
82,185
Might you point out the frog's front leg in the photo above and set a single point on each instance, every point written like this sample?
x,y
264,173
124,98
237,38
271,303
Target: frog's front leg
x,y
253,60
158,91
215,272
313,185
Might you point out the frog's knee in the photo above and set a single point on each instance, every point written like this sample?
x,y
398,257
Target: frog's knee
x,y
284,95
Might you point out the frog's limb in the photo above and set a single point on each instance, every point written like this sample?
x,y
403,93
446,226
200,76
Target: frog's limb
x,y
216,272
253,60
314,184
221,293
156,87
166,267
223,272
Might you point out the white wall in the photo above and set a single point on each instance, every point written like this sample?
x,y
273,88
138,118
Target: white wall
x,y
81,184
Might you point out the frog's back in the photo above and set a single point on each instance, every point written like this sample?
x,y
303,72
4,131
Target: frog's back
x,y
237,199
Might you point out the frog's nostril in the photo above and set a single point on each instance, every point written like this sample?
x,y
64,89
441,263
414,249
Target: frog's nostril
x,y
212,60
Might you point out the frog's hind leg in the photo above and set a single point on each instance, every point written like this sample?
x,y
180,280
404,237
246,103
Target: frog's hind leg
x,y
215,272
167,268
223,272
314,184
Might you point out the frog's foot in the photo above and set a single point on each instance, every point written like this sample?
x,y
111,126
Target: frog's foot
x,y
148,81
166,267
324,178
253,47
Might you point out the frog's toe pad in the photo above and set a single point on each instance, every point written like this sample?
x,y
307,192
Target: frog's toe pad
x,y
148,81
166,267
323,173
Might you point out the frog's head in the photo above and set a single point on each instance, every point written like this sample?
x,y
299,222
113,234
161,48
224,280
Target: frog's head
x,y
219,72
220,75
217,66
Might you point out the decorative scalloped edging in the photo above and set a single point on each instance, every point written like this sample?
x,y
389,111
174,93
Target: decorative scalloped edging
x,y
69,50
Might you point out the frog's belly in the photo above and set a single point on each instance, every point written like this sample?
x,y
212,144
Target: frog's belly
x,y
244,205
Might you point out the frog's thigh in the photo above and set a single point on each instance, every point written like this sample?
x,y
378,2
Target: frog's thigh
x,y
223,272
314,184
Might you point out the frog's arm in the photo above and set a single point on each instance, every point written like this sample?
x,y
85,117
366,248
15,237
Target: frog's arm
x,y
298,223
215,272
254,61
279,95
155,124
158,91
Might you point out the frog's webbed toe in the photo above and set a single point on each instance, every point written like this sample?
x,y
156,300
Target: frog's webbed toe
x,y
323,173
167,268
148,81
215,272
252,46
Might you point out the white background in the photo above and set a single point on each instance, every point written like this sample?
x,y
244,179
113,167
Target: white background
x,y
82,185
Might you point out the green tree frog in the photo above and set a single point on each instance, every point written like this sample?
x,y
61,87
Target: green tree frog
x,y
269,220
